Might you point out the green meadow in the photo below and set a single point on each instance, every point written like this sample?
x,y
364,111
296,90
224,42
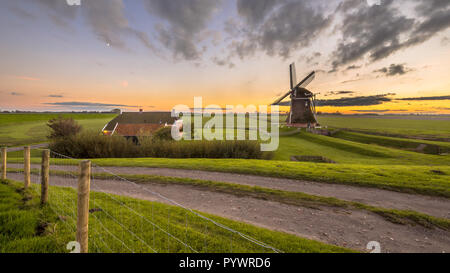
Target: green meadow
x,y
27,227
433,127
376,152
29,128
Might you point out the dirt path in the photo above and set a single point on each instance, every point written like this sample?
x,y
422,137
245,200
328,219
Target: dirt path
x,y
347,228
436,206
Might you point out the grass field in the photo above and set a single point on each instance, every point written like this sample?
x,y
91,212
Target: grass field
x,y
419,179
353,152
22,129
410,126
26,227
430,147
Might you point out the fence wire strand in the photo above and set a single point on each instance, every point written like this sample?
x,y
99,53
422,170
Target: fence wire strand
x,y
123,219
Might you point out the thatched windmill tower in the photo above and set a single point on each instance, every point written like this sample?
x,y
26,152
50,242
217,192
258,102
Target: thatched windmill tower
x,y
303,101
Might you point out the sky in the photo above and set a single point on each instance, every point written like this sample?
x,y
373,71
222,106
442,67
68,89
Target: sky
x,y
370,56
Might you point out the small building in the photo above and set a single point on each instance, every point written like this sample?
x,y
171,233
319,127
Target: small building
x,y
132,124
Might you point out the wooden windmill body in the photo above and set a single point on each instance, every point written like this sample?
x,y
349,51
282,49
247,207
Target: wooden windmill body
x,y
302,106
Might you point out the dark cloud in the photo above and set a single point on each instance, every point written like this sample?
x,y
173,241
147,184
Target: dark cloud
x,y
380,111
333,93
353,67
255,11
277,28
426,98
356,101
290,27
107,20
350,81
378,30
186,19
310,59
55,96
86,104
16,94
393,70
368,30
223,62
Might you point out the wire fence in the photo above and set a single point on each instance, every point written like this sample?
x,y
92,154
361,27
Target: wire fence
x,y
130,217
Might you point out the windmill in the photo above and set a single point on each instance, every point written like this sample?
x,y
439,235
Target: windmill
x,y
303,101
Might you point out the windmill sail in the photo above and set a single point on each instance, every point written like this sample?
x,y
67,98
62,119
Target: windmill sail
x,y
306,81
277,102
293,75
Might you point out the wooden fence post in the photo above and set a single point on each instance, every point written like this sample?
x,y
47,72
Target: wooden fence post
x,y
84,182
45,174
4,152
26,166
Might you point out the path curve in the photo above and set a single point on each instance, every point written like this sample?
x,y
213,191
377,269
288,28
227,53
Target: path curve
x,y
435,206
342,227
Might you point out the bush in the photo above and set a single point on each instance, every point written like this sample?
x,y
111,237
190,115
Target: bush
x,y
164,133
63,127
89,145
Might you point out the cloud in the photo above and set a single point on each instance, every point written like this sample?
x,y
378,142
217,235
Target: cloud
x,y
353,67
332,93
106,18
290,27
186,19
380,111
445,41
277,28
426,98
223,62
86,104
27,78
310,59
255,11
16,94
55,96
369,29
356,101
378,30
393,70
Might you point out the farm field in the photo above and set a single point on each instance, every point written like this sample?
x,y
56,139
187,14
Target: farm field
x,y
21,220
430,127
29,128
362,162
353,152
425,146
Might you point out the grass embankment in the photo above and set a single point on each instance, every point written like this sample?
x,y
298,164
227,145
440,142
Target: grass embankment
x,y
427,127
18,225
29,128
427,180
352,152
286,197
428,147
24,226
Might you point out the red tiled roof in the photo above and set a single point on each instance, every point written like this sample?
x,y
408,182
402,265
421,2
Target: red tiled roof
x,y
136,129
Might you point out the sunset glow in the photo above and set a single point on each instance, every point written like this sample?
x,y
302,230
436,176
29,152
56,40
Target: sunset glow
x,y
109,54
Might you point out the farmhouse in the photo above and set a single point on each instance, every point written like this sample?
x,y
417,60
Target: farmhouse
x,y
132,124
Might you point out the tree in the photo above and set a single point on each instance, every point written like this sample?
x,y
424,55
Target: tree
x,y
63,127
